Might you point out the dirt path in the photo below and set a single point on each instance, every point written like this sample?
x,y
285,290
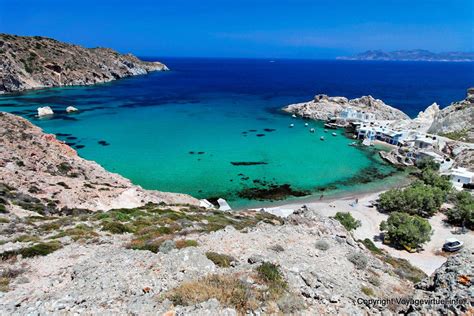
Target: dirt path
x,y
428,260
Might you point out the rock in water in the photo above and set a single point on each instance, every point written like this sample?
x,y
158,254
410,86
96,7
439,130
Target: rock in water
x,y
223,205
45,111
71,109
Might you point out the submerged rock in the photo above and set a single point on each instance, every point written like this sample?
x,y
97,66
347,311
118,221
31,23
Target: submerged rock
x,y
248,163
272,192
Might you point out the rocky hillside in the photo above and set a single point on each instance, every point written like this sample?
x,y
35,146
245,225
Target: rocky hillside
x,y
48,175
38,62
323,107
457,120
189,261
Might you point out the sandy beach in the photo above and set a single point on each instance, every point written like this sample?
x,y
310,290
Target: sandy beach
x,y
428,260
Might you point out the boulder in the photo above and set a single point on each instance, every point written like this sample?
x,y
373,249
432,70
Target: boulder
x,y
45,111
71,109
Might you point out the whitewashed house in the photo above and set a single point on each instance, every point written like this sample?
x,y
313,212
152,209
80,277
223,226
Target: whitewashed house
x,y
352,114
461,176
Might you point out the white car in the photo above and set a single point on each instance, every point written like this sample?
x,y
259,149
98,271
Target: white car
x,y
452,244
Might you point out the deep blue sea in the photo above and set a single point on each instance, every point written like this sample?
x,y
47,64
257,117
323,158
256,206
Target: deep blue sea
x,y
188,129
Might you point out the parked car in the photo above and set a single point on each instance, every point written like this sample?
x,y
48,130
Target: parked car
x,y
452,244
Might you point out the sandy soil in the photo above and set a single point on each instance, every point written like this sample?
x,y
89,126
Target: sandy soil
x,y
428,260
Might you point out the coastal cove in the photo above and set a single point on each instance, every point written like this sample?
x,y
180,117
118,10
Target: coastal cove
x,y
213,128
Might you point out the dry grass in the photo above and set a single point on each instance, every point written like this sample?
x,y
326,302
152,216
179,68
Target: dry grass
x,y
184,243
227,289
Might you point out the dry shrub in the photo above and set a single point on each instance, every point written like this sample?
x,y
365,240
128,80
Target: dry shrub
x,y
184,243
227,289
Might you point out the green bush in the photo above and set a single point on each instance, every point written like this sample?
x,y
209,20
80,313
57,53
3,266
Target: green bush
x,y
346,219
270,274
427,164
404,230
369,244
432,178
462,214
417,199
220,260
40,249
116,228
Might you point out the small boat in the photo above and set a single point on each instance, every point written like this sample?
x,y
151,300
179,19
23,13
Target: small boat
x,y
291,125
353,144
334,134
311,130
325,130
321,138
293,116
305,124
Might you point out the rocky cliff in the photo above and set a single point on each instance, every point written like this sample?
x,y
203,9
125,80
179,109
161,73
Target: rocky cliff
x,y
48,175
322,107
39,62
456,120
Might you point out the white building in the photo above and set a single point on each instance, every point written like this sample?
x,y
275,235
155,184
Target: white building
x,y
356,115
461,176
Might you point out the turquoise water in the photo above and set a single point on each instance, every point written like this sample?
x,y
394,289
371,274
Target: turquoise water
x,y
171,132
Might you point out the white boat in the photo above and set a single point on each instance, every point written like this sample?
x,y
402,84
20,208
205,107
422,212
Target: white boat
x,y
334,134
353,144
321,138
294,116
325,130
305,124
312,130
291,125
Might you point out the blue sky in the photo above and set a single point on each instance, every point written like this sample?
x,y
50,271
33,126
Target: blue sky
x,y
258,28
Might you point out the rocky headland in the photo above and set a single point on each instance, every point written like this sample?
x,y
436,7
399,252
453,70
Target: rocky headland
x,y
455,121
38,62
323,107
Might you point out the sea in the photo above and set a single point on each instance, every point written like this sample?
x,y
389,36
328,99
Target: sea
x,y
214,127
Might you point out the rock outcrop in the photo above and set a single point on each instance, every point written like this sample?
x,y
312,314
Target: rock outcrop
x,y
450,287
48,170
39,62
456,118
324,107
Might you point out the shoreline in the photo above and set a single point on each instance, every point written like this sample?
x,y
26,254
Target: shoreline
x,y
330,196
428,260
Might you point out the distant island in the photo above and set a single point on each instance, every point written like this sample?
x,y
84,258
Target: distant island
x,y
412,55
